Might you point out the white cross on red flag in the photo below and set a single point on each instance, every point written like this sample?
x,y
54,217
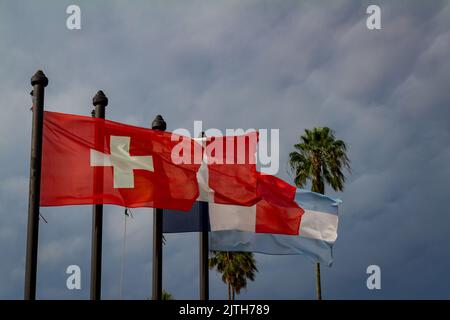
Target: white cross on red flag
x,y
95,161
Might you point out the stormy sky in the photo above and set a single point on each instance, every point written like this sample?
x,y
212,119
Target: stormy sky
x,y
287,64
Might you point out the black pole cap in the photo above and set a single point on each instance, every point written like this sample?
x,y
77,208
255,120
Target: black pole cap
x,y
100,99
39,78
159,123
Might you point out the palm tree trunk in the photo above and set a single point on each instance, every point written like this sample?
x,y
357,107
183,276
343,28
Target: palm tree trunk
x,y
229,292
234,292
318,285
319,188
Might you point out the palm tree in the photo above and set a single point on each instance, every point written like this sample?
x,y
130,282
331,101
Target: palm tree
x,y
319,158
236,268
166,295
246,268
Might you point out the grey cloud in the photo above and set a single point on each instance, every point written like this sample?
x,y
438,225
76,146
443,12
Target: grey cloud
x,y
243,64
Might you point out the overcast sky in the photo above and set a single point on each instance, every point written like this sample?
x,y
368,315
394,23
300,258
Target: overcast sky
x,y
290,65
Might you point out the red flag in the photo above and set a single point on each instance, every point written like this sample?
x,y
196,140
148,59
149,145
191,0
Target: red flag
x,y
232,169
94,161
277,212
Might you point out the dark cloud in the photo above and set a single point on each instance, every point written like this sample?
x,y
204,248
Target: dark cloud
x,y
237,64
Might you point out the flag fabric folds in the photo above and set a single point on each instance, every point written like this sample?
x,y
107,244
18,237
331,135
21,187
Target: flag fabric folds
x,y
268,204
316,234
231,169
94,161
275,212
228,174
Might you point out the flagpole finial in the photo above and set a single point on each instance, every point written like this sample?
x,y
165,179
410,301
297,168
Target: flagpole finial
x,y
39,78
159,123
100,99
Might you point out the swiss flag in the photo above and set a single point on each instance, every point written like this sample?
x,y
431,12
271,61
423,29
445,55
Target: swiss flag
x,y
94,161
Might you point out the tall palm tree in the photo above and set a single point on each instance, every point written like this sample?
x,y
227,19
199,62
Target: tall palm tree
x,y
236,268
319,158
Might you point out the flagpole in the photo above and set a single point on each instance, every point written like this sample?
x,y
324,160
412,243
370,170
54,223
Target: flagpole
x,y
204,250
204,247
100,101
318,285
39,81
157,124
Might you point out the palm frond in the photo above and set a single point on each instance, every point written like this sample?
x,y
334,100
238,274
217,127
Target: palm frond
x,y
319,158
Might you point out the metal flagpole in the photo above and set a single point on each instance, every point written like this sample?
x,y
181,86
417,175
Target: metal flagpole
x,y
204,248
318,285
39,81
100,101
157,124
